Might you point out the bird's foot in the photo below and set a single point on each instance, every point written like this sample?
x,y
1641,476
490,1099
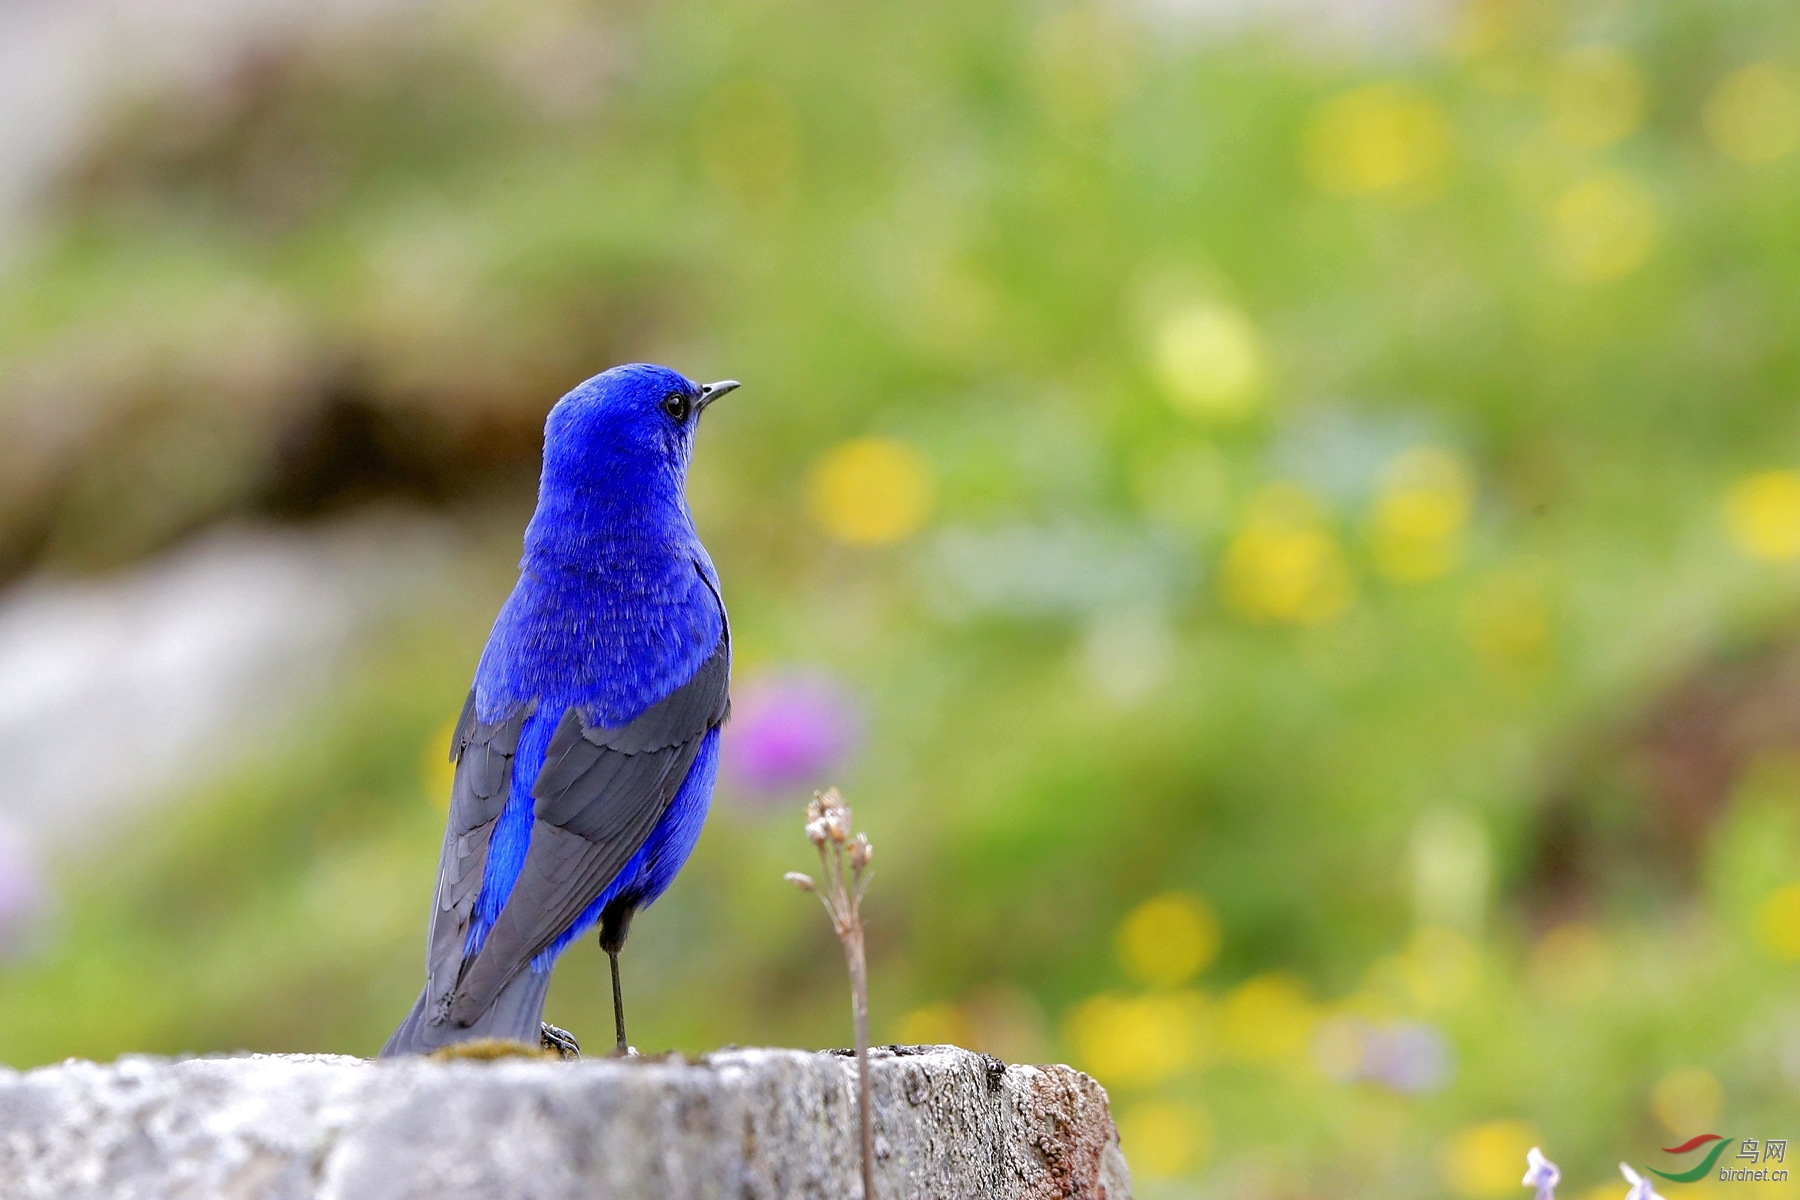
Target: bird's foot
x,y
559,1042
623,1052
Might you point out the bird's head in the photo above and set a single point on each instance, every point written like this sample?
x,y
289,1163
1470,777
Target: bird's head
x,y
626,427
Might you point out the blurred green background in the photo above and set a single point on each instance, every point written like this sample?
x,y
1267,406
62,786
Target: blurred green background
x,y
1283,521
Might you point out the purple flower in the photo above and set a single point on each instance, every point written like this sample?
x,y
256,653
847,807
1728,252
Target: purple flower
x,y
1407,1056
1541,1174
1640,1187
790,728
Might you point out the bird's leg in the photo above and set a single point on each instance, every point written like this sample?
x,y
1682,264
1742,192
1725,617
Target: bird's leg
x,y
615,924
618,1002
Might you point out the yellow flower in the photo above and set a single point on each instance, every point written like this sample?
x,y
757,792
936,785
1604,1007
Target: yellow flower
x,y
1778,922
1130,1041
1268,1019
1283,565
1602,228
1596,97
868,491
1209,361
1168,939
1687,1101
1754,114
1762,513
1421,513
1487,1159
1383,138
1165,1138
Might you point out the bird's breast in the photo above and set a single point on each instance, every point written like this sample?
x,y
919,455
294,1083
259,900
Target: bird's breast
x,y
612,641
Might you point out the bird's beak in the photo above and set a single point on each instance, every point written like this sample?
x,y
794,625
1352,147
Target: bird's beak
x,y
712,391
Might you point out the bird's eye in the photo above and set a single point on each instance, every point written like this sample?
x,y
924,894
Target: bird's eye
x,y
676,404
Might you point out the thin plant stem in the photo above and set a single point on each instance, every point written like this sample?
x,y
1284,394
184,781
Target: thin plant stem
x,y
859,1013
828,827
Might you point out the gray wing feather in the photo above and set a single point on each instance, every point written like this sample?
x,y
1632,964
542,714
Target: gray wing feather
x,y
483,754
599,796
672,721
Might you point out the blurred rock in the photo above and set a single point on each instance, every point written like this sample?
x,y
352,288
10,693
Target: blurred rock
x,y
62,65
128,425
24,896
115,691
764,1124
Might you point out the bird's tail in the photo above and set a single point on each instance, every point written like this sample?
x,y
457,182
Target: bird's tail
x,y
517,1014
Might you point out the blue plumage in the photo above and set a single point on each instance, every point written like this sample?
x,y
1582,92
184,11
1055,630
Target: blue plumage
x,y
587,752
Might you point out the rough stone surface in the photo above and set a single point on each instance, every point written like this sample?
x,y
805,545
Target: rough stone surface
x,y
739,1124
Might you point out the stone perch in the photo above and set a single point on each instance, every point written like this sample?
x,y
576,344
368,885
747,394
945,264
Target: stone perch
x,y
738,1124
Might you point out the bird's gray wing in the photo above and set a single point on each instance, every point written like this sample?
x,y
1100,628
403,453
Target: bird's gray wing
x,y
483,753
599,795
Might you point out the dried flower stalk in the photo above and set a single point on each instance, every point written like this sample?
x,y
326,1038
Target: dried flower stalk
x,y
844,857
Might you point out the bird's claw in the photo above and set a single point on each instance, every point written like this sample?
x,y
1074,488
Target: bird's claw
x,y
559,1042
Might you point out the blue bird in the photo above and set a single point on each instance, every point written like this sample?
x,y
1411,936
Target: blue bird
x,y
586,753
